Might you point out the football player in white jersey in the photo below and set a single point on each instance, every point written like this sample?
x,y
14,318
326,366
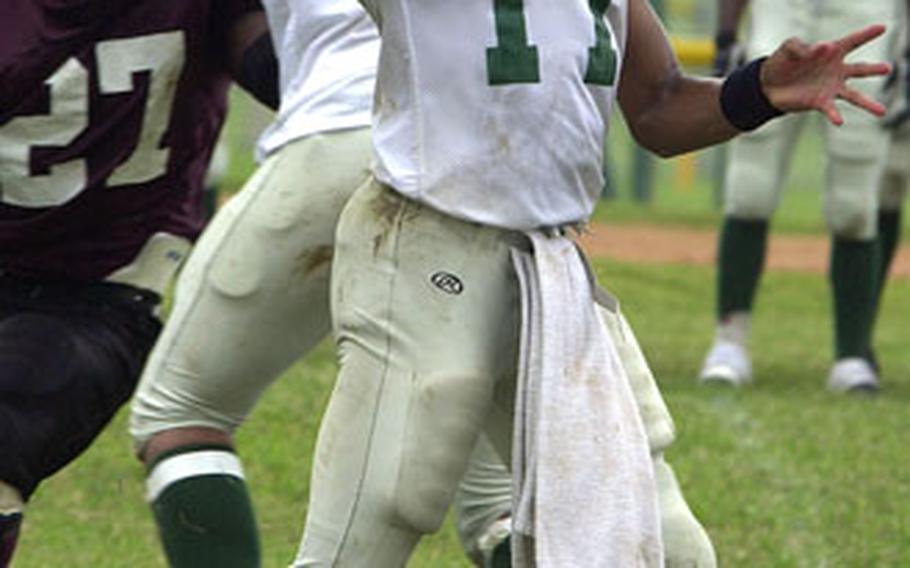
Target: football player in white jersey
x,y
489,124
192,398
253,296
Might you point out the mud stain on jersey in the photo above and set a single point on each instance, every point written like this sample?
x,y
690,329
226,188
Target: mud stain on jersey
x,y
314,258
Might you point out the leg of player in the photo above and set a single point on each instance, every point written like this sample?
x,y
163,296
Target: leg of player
x,y
64,373
889,223
425,310
11,508
252,299
894,187
483,502
856,161
757,165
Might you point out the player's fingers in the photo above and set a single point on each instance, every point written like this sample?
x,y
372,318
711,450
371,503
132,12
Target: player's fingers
x,y
867,69
834,116
860,100
851,41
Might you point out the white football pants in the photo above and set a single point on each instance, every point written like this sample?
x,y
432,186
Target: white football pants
x,y
897,171
426,320
254,294
426,312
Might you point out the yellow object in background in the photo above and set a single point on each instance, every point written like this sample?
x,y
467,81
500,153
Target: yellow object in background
x,y
693,52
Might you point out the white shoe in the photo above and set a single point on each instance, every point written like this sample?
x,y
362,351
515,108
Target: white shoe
x,y
727,362
852,374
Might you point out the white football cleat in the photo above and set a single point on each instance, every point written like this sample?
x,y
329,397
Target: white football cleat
x,y
727,362
852,374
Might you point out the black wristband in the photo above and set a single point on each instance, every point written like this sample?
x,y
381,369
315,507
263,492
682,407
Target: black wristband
x,y
742,100
259,72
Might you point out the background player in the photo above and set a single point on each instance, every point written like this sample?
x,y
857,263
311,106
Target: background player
x,y
758,163
203,379
108,115
424,299
896,178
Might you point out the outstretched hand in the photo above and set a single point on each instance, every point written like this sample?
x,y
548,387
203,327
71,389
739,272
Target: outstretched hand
x,y
799,76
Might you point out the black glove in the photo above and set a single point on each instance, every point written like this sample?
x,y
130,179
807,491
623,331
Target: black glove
x,y
728,55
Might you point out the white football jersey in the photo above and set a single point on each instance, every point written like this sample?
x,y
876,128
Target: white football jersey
x,y
496,111
327,52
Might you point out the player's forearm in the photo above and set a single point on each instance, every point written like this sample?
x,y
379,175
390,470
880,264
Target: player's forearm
x,y
729,13
686,116
252,60
667,111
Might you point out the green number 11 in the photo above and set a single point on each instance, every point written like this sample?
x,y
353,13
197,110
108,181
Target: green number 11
x,y
514,60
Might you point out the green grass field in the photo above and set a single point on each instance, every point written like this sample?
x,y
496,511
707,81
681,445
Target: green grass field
x,y
782,473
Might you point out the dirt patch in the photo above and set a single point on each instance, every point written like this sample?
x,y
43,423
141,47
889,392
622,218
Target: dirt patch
x,y
654,244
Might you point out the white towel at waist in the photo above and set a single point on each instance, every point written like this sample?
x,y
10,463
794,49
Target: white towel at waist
x,y
584,489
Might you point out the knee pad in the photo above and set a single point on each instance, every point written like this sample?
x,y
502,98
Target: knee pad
x,y
445,415
755,172
856,162
851,202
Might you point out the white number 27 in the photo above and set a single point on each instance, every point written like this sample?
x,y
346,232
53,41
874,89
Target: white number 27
x,y
161,54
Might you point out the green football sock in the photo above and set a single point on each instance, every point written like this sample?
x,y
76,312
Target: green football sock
x,y
889,232
203,510
740,259
854,280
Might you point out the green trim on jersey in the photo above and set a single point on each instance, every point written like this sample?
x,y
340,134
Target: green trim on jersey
x,y
602,57
513,60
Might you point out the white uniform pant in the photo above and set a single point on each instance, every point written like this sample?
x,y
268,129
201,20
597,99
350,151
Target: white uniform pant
x,y
426,311
426,320
759,161
897,168
897,171
254,294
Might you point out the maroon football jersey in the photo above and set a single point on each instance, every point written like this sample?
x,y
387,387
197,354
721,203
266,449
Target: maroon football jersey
x,y
109,112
